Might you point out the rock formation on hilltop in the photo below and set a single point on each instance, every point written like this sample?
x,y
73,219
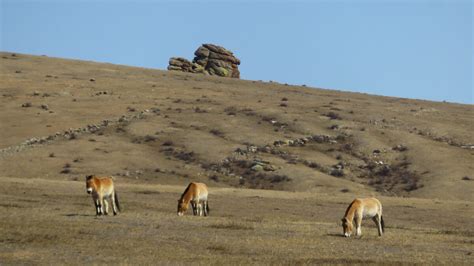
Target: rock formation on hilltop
x,y
209,59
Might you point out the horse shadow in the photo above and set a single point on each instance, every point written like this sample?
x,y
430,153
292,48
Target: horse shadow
x,y
335,235
78,215
341,235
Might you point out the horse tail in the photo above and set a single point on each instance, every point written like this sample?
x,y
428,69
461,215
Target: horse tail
x,y
117,201
383,224
207,207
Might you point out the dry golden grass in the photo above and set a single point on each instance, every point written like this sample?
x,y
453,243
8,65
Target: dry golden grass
x,y
44,222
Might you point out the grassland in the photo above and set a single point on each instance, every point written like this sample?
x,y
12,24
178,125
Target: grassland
x,y
282,163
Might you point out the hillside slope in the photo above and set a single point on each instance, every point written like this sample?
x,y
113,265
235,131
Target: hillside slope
x,y
63,119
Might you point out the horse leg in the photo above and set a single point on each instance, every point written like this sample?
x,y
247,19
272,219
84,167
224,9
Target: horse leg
x,y
101,205
199,208
358,222
106,207
114,207
204,206
97,204
193,205
376,220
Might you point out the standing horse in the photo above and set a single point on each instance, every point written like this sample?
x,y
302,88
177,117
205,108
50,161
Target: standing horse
x,y
360,209
102,189
196,194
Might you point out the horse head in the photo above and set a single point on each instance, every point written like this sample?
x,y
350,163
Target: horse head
x,y
346,227
90,184
182,207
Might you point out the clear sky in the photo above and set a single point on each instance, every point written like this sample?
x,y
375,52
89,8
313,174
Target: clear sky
x,y
414,49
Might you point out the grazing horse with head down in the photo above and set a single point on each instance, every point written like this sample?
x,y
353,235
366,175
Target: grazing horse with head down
x,y
102,189
196,194
360,209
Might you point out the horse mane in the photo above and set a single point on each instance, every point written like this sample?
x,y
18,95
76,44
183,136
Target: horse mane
x,y
185,191
348,208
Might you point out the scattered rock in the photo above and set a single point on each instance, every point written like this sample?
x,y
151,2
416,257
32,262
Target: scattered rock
x,y
337,172
400,147
469,146
92,79
27,104
44,107
334,127
257,168
180,64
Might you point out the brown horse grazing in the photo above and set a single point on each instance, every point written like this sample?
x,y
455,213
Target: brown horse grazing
x,y
102,189
196,194
360,209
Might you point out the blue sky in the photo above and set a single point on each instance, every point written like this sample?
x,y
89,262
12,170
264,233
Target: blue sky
x,y
413,49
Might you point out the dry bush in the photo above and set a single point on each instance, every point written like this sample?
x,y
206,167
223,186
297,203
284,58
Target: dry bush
x,y
217,132
333,116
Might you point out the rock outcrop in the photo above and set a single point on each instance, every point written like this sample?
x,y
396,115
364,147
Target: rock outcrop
x,y
209,59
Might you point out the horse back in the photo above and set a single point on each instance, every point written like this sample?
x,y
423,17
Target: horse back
x,y
104,185
197,191
371,206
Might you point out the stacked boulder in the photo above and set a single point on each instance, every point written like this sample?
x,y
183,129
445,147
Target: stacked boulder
x,y
180,64
209,59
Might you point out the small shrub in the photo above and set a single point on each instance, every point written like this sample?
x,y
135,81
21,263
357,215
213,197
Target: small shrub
x,y
333,116
279,178
337,172
218,248
150,138
167,143
199,110
231,110
185,156
65,171
214,178
312,164
217,132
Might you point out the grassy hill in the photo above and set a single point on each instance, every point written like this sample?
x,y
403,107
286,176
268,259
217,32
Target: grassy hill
x,y
168,127
312,150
